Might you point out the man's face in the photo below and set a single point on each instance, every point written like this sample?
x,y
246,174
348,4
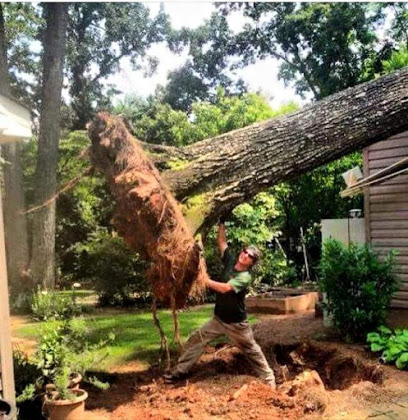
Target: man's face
x,y
246,259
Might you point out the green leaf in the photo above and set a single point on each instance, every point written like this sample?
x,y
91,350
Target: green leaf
x,y
402,361
395,350
384,330
376,347
373,337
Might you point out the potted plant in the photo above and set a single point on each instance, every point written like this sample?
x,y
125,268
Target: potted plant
x,y
62,402
63,357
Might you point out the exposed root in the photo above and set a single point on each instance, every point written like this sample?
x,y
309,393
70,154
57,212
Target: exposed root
x,y
70,184
176,325
148,217
164,348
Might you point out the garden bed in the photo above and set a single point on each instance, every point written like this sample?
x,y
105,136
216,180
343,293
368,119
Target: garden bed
x,y
282,301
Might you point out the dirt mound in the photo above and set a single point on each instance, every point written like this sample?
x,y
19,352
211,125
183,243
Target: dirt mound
x,y
147,216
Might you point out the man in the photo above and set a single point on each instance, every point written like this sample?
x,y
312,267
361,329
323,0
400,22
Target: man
x,y
230,316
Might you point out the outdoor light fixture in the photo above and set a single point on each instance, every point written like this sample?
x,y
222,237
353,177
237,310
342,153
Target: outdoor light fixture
x,y
355,213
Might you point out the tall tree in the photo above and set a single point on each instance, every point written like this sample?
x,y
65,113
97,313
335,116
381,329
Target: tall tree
x,y
184,86
100,35
23,24
399,25
322,47
43,227
17,247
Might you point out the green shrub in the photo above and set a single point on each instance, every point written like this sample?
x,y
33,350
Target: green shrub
x,y
358,286
393,345
25,374
116,272
50,305
64,351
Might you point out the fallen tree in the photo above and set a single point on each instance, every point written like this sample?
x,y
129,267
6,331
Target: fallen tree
x,y
215,175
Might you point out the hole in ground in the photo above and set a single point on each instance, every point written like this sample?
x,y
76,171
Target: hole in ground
x,y
336,369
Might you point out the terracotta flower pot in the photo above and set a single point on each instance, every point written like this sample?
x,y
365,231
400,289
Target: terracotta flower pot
x,y
66,409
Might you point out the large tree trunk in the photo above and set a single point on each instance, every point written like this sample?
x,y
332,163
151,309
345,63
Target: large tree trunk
x,y
16,238
215,175
43,240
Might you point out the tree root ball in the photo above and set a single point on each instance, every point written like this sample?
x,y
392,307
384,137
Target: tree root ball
x,y
147,215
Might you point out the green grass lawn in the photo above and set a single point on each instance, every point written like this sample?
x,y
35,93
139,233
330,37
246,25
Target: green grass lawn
x,y
136,337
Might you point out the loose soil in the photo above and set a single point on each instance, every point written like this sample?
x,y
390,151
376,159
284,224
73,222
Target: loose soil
x,y
318,377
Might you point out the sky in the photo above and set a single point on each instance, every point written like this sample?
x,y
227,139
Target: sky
x,y
260,76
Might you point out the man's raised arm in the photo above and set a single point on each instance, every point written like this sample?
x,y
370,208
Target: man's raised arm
x,y
222,238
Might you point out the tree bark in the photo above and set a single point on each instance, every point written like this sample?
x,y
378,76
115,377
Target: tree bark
x,y
15,230
43,239
215,175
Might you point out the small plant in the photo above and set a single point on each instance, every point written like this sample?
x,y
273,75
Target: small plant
x,y
393,345
25,372
65,351
49,305
358,285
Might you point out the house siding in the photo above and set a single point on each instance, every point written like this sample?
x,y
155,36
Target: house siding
x,y
386,209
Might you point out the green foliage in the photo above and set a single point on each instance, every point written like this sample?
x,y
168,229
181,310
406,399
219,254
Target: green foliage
x,y
80,210
116,272
398,29
23,24
49,305
64,351
305,201
322,47
393,345
158,123
398,60
163,125
254,223
25,374
183,88
358,285
99,36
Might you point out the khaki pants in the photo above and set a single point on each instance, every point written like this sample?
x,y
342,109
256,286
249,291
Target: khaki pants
x,y
240,334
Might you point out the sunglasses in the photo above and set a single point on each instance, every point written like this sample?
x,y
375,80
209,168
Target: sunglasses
x,y
244,251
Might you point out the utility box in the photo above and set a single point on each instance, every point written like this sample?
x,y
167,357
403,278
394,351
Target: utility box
x,y
344,230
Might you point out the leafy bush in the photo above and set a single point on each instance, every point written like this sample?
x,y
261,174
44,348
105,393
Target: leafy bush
x,y
25,373
65,351
358,286
116,272
50,305
393,345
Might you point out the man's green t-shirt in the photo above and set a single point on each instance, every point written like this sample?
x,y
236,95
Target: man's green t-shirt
x,y
230,306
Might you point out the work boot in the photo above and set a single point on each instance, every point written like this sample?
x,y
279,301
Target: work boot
x,y
173,377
